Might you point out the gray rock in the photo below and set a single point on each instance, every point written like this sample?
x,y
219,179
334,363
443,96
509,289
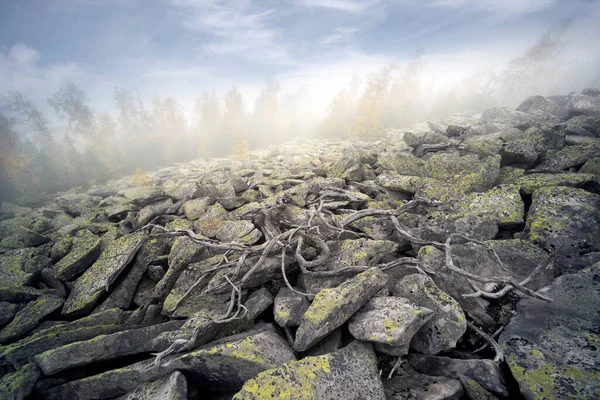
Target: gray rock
x,y
258,302
448,323
542,105
143,195
438,226
224,365
530,183
566,221
390,323
173,387
332,307
105,347
591,166
552,348
349,373
152,210
195,208
518,119
88,288
18,385
570,156
581,104
30,317
408,384
7,312
144,292
239,232
23,238
485,372
231,203
528,148
583,126
289,307
212,221
156,272
329,344
23,351
83,251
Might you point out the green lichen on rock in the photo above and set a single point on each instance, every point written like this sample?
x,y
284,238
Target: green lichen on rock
x,y
84,250
530,183
30,317
591,166
18,385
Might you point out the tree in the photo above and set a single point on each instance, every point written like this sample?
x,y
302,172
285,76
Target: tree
x,y
234,127
169,129
371,105
71,104
208,124
338,119
268,123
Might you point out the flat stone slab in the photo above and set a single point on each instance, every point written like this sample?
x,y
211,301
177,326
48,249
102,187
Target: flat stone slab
x,y
350,373
448,323
332,307
7,312
390,322
289,307
18,385
105,347
30,317
224,365
84,250
258,302
530,183
88,288
409,384
173,387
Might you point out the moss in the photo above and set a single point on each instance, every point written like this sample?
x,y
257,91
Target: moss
x,y
294,380
243,350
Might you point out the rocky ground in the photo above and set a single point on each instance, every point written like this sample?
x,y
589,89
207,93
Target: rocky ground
x,y
457,260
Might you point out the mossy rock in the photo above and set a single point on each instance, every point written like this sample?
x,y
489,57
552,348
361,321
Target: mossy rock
x,y
30,317
18,385
569,156
530,183
591,166
349,373
173,387
84,250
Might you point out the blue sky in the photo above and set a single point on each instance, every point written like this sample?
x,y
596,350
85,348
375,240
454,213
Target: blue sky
x,y
181,47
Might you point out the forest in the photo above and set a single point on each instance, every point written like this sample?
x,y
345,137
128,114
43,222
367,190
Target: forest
x,y
79,145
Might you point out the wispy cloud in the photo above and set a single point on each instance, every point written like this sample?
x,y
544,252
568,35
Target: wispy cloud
x,y
340,36
351,6
505,7
236,27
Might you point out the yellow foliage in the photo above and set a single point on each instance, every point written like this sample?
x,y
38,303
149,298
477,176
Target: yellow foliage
x,y
240,150
141,178
15,166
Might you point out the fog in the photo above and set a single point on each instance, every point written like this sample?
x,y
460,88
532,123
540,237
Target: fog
x,y
67,120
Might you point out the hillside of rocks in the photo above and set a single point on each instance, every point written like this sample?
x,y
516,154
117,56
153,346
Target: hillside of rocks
x,y
458,259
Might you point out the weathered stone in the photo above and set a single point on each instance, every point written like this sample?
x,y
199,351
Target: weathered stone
x,y
581,104
224,365
438,226
231,203
289,307
329,344
152,210
142,195
23,351
88,288
7,312
552,348
84,250
30,317
532,182
583,126
258,302
144,292
390,323
195,208
518,119
532,144
569,156
173,387
18,385
239,231
591,166
212,221
448,323
332,307
349,373
61,247
105,347
542,105
485,372
17,294
566,221
23,238
156,272
407,384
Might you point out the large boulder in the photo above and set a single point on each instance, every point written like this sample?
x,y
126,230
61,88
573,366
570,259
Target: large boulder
x,y
30,317
349,373
552,348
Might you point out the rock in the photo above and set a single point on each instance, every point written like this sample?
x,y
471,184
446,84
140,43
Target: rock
x,y
455,285
258,302
593,92
438,226
485,372
143,195
583,126
289,307
156,272
566,221
239,232
7,312
18,385
23,351
195,208
390,323
105,347
329,344
455,130
569,156
212,221
101,191
173,387
541,105
581,104
552,348
83,251
518,119
528,148
17,294
6,207
408,384
349,373
88,288
23,238
591,166
152,210
125,289
223,366
530,183
332,307
144,292
231,203
448,323
30,317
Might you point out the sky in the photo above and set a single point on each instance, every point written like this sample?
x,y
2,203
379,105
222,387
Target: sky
x,y
182,47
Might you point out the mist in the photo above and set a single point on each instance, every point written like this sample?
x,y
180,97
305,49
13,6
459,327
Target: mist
x,y
83,106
